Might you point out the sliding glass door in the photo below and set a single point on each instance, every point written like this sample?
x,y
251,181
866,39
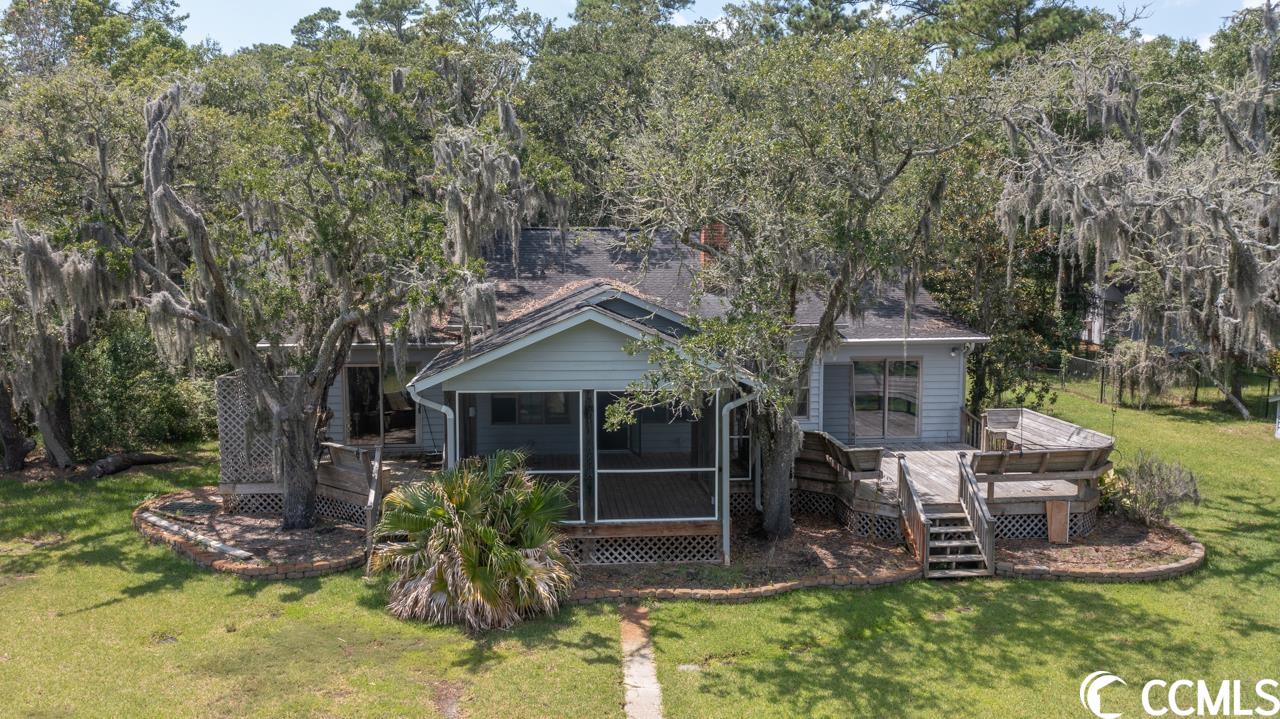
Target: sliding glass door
x,y
379,410
884,398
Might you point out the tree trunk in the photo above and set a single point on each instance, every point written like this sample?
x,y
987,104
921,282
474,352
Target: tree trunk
x,y
16,445
119,462
779,439
53,421
295,469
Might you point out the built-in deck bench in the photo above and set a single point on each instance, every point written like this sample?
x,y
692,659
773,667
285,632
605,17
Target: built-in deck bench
x,y
1025,429
349,476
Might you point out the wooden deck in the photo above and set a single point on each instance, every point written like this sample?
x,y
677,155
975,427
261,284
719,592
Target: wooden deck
x,y
935,475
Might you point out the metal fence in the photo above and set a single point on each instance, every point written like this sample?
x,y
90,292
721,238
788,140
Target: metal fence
x,y
1090,378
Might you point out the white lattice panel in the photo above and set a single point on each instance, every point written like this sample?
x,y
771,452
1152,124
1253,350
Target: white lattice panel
x,y
339,511
244,447
1021,526
1036,526
254,504
741,503
806,502
646,550
1083,523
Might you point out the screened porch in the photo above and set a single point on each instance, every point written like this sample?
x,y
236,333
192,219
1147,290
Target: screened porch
x,y
661,467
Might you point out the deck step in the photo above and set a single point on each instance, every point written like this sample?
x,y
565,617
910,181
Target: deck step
x,y
956,558
956,573
946,515
953,543
953,529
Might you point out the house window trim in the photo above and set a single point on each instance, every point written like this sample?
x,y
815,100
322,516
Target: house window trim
x,y
884,412
568,416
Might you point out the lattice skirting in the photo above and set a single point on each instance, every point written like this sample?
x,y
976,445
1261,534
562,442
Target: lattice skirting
x,y
742,503
644,550
272,504
866,524
1036,526
805,502
863,524
1083,523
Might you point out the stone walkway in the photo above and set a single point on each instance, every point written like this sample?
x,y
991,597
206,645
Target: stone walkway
x,y
639,672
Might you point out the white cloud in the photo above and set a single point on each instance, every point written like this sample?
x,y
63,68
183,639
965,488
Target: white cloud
x,y
1245,4
679,20
1205,41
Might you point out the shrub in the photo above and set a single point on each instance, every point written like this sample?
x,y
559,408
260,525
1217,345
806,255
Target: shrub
x,y
124,397
1150,490
474,545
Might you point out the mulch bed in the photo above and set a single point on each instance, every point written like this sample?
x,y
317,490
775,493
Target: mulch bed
x,y
819,548
200,510
1117,544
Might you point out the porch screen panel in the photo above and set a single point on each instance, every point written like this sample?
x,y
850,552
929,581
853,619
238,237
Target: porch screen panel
x,y
661,466
546,426
868,399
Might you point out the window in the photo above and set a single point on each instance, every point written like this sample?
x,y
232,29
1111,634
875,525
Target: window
x,y
885,398
801,408
502,408
529,408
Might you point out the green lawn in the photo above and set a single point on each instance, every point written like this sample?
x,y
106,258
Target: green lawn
x,y
1010,648
97,623
101,624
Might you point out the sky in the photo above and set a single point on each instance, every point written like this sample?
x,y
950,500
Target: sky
x,y
238,23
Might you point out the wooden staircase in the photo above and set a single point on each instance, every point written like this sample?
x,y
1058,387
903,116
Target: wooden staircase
x,y
954,550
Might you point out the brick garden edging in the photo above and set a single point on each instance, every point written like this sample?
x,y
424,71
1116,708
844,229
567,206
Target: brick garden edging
x,y
742,594
207,558
1105,574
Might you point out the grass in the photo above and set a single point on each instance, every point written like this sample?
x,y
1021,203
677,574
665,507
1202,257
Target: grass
x,y
97,623
1011,648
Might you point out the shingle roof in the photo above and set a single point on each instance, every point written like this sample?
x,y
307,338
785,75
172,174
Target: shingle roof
x,y
664,275
560,307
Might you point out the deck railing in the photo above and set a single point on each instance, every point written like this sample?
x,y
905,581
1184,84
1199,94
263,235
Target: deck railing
x,y
916,524
972,429
984,526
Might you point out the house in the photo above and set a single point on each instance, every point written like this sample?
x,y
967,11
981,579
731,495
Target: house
x,y
666,486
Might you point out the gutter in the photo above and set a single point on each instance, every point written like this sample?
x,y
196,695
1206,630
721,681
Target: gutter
x,y
725,472
450,427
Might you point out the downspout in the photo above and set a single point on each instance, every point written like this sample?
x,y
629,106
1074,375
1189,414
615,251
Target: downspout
x,y
450,427
725,471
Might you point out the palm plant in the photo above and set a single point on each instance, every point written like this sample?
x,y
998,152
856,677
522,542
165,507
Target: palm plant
x,y
475,545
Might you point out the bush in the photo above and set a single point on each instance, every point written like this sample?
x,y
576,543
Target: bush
x,y
124,397
1150,490
475,545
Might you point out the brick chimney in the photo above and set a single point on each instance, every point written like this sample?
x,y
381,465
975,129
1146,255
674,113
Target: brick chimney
x,y
712,235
